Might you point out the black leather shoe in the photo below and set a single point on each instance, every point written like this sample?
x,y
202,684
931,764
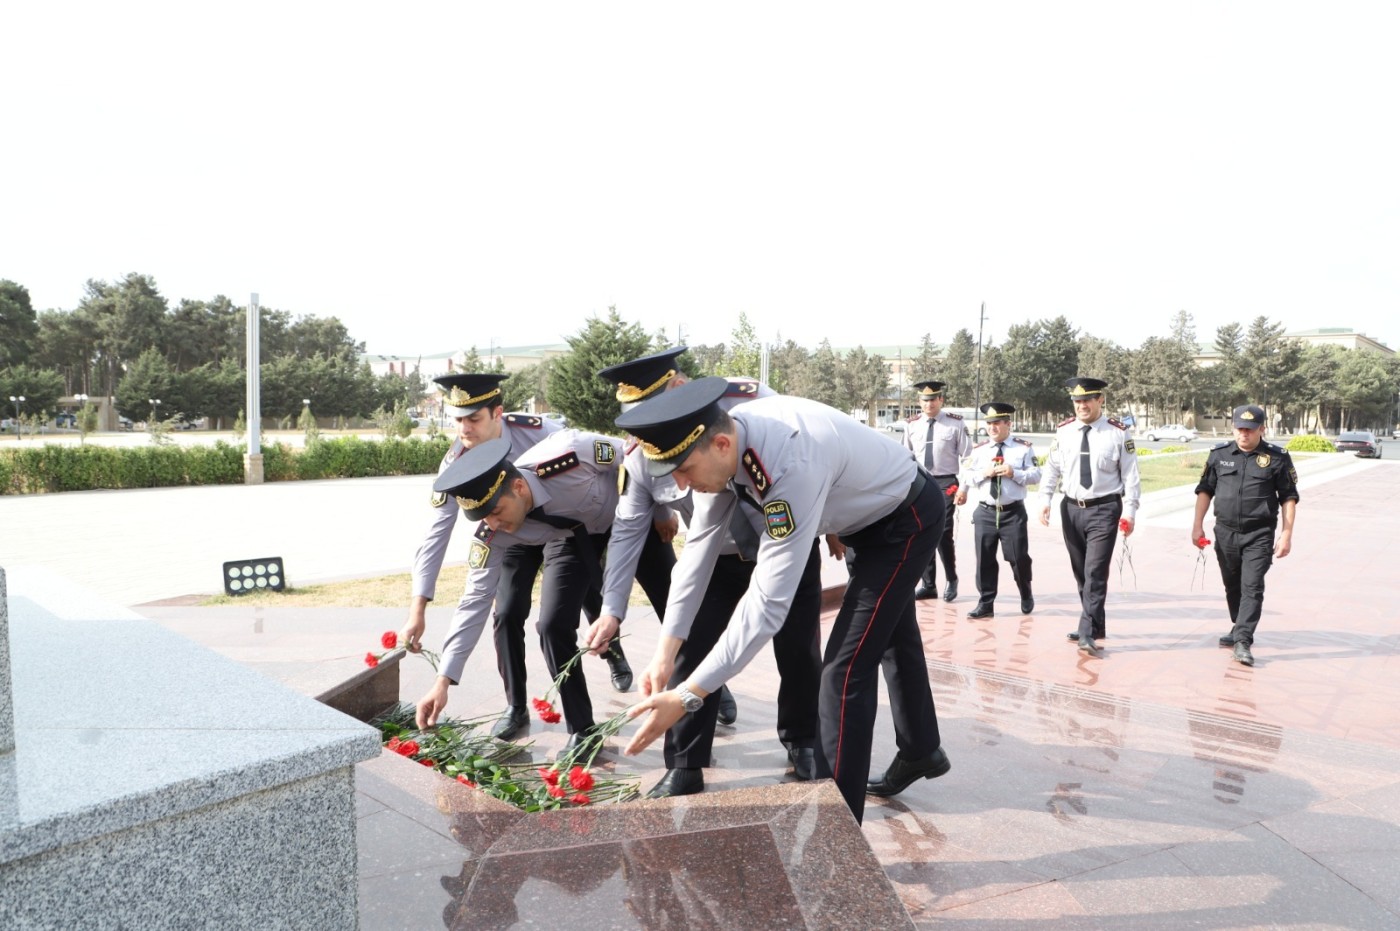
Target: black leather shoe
x,y
577,739
925,591
1073,636
804,763
728,707
1087,645
980,612
621,669
679,782
1242,654
1028,605
510,724
902,773
950,591
1228,640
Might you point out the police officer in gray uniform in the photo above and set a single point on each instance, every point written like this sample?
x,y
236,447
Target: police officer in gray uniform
x,y
1251,482
796,470
474,400
1097,460
939,440
797,646
560,491
999,471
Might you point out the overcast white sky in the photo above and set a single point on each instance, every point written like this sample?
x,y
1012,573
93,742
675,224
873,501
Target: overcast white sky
x,y
440,175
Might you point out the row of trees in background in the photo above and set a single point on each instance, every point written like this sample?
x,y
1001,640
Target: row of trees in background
x,y
125,340
128,341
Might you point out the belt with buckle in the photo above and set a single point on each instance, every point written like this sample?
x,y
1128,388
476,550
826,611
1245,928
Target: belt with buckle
x,y
1001,507
1095,502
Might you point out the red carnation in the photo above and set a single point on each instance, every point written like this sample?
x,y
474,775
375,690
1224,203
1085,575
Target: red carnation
x,y
580,779
1123,525
550,776
546,711
1203,542
580,799
371,660
408,747
466,782
952,490
426,761
557,792
393,744
390,640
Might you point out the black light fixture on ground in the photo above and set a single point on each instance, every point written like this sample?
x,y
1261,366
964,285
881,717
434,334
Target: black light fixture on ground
x,y
242,576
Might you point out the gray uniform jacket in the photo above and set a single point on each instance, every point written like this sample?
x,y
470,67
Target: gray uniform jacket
x,y
523,431
571,474
813,470
1113,460
642,501
948,436
1017,453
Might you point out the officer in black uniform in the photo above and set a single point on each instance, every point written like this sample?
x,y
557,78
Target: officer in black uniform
x,y
1097,460
1251,482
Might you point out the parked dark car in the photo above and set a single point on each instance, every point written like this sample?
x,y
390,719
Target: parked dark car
x,y
66,420
1361,442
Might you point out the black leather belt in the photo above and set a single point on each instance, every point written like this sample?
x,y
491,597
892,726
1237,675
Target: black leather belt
x,y
946,476
915,487
1094,502
1002,507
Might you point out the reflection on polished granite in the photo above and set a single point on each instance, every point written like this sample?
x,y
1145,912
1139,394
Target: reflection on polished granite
x,y
1160,785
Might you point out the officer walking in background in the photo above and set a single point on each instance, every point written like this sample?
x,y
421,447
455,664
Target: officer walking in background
x,y
561,494
999,471
1251,482
474,401
1095,458
939,441
796,646
795,470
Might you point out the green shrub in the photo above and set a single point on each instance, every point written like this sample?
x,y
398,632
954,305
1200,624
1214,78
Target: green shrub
x,y
1310,443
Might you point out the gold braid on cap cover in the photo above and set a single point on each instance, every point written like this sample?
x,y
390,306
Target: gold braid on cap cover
x,y
470,505
459,398
628,393
657,454
1079,391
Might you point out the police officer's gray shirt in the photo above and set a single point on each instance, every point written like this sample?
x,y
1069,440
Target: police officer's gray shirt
x,y
1017,453
523,431
948,436
646,499
583,489
812,470
1113,458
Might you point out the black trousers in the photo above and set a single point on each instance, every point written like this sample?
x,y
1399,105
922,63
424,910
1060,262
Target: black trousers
x,y
1090,535
518,570
947,550
1244,557
876,628
1010,532
796,649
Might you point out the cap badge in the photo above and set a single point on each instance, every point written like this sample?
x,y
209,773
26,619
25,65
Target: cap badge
x,y
456,397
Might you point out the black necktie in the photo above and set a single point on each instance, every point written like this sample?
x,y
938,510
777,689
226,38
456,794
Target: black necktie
x,y
996,480
928,449
586,550
1086,474
744,534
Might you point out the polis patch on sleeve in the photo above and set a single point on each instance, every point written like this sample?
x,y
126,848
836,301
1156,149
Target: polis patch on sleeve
x,y
478,554
603,452
1130,446
777,518
438,499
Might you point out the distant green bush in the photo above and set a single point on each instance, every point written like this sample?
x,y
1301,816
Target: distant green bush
x,y
1310,443
53,468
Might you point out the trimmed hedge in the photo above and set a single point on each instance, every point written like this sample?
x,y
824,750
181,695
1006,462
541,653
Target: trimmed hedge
x,y
1310,443
53,468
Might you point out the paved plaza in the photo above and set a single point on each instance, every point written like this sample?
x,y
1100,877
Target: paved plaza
x,y
1160,785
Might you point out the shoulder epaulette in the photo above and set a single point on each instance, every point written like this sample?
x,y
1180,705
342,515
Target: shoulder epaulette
x,y
529,421
754,467
1222,444
454,450
981,444
914,418
631,446
557,465
1118,423
741,388
952,415
1064,423
1022,440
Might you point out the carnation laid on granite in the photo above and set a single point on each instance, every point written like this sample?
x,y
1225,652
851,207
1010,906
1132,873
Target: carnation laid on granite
x,y
389,640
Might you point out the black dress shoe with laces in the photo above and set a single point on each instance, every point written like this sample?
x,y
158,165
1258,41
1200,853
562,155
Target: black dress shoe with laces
x,y
925,591
1028,605
510,724
902,773
728,707
804,762
950,591
621,669
980,612
1242,654
1228,640
679,782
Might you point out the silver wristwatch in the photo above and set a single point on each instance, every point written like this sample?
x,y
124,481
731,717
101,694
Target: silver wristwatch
x,y
689,700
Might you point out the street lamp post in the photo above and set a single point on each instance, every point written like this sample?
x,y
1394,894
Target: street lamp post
x,y
155,403
17,402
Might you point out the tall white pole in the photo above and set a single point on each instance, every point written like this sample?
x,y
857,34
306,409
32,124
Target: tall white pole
x,y
252,459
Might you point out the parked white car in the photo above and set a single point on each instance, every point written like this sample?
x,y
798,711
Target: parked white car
x,y
1172,431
